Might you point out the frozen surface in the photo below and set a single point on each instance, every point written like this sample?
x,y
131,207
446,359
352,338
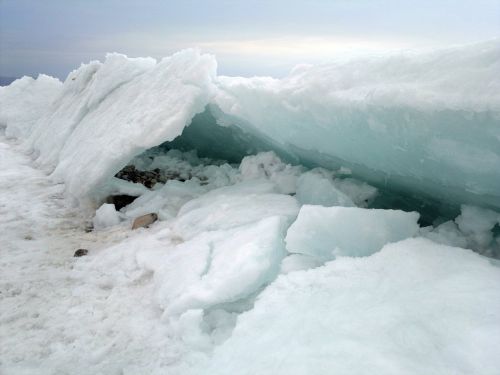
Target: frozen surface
x,y
273,260
417,123
211,287
413,308
329,232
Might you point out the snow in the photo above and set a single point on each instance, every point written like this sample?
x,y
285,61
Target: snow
x,y
106,113
24,101
278,259
106,216
212,286
329,232
415,307
414,122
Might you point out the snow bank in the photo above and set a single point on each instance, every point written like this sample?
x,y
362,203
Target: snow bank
x,y
329,232
413,308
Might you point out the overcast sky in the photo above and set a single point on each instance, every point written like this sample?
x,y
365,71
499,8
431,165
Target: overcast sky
x,y
248,37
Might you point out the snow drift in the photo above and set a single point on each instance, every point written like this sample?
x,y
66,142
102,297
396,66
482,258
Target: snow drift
x,y
423,124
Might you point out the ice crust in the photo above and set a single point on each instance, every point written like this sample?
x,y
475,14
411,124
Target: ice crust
x,y
415,122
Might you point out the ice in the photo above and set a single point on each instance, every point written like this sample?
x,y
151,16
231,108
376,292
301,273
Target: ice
x,y
84,92
472,229
377,116
382,314
107,113
298,262
165,201
477,224
221,266
420,123
361,193
106,216
330,232
317,189
446,233
232,206
267,165
269,255
25,101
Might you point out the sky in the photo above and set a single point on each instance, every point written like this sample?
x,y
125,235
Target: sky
x,y
248,37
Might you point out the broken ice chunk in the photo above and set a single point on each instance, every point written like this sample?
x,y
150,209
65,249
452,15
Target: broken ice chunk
x,y
327,232
315,188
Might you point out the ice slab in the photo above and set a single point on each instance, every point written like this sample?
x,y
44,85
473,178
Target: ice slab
x,y
421,123
221,266
329,232
317,189
232,206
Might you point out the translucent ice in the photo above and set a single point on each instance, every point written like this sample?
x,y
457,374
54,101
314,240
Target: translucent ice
x,y
423,124
328,232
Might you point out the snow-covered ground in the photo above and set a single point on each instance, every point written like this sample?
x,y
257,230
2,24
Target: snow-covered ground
x,y
215,290
56,319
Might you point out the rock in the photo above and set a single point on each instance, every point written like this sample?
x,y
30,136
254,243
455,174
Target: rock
x,y
120,201
81,252
144,221
149,178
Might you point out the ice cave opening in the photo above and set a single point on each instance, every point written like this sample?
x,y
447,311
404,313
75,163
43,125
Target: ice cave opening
x,y
206,138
